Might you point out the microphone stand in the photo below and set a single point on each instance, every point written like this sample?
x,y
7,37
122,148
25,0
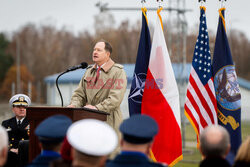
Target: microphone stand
x,y
58,87
83,65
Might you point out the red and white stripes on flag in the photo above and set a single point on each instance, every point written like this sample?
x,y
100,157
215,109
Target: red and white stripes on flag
x,y
200,106
200,102
161,100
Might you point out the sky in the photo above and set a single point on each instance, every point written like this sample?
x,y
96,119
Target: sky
x,y
78,15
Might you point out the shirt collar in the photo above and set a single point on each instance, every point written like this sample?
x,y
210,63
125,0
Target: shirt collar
x,y
133,153
20,119
50,153
101,65
106,66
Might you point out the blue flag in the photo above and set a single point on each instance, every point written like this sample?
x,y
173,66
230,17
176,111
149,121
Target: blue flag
x,y
227,88
141,68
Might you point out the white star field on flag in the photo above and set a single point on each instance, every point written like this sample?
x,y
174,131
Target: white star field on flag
x,y
202,57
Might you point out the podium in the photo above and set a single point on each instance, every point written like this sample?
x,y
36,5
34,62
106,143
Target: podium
x,y
37,114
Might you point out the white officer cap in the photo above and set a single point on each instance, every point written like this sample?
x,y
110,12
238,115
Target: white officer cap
x,y
20,100
92,137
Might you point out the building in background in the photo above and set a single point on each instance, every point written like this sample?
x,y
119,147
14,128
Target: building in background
x,y
69,82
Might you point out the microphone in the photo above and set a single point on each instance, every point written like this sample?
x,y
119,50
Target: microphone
x,y
82,65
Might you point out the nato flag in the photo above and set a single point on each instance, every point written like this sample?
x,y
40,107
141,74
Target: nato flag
x,y
227,88
141,68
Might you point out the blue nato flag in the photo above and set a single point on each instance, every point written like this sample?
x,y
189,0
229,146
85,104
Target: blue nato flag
x,y
141,68
227,88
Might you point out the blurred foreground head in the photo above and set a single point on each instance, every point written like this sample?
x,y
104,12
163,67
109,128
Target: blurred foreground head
x,y
243,153
3,145
138,133
92,140
214,141
52,131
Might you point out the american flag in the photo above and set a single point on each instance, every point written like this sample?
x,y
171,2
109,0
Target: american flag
x,y
200,104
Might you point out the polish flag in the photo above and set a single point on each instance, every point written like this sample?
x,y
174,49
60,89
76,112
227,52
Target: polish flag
x,y
161,100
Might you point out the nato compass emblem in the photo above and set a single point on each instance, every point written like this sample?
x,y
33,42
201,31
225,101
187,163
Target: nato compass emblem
x,y
138,87
227,88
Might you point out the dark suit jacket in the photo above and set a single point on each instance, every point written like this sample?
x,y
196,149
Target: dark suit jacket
x,y
214,162
241,164
131,161
23,153
16,134
43,161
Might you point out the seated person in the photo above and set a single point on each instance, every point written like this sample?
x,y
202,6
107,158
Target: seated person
x,y
17,126
138,134
50,133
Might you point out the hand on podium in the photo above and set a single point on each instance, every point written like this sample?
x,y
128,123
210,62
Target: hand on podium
x,y
71,106
90,107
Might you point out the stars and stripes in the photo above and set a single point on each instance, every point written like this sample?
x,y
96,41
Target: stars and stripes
x,y
200,104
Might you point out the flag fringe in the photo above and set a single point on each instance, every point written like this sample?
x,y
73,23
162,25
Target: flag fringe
x,y
152,156
176,160
158,13
223,20
195,129
144,11
203,7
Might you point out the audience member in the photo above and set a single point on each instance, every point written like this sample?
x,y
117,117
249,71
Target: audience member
x,y
242,158
92,141
214,146
138,133
3,146
17,127
66,155
51,133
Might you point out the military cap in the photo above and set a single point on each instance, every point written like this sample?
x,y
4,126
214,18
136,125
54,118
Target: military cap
x,y
139,129
92,137
53,129
20,100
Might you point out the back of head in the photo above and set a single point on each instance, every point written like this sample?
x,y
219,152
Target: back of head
x,y
139,129
52,131
243,153
214,141
3,138
91,140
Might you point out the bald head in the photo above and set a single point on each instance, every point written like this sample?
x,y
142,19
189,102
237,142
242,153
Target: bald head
x,y
214,141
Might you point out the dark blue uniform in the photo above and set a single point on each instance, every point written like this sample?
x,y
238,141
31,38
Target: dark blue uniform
x,y
136,130
50,131
16,133
132,159
44,159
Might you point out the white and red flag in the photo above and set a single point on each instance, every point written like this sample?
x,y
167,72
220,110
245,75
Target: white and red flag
x,y
161,100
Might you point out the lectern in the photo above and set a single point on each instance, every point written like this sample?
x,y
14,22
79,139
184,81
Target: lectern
x,y
37,114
